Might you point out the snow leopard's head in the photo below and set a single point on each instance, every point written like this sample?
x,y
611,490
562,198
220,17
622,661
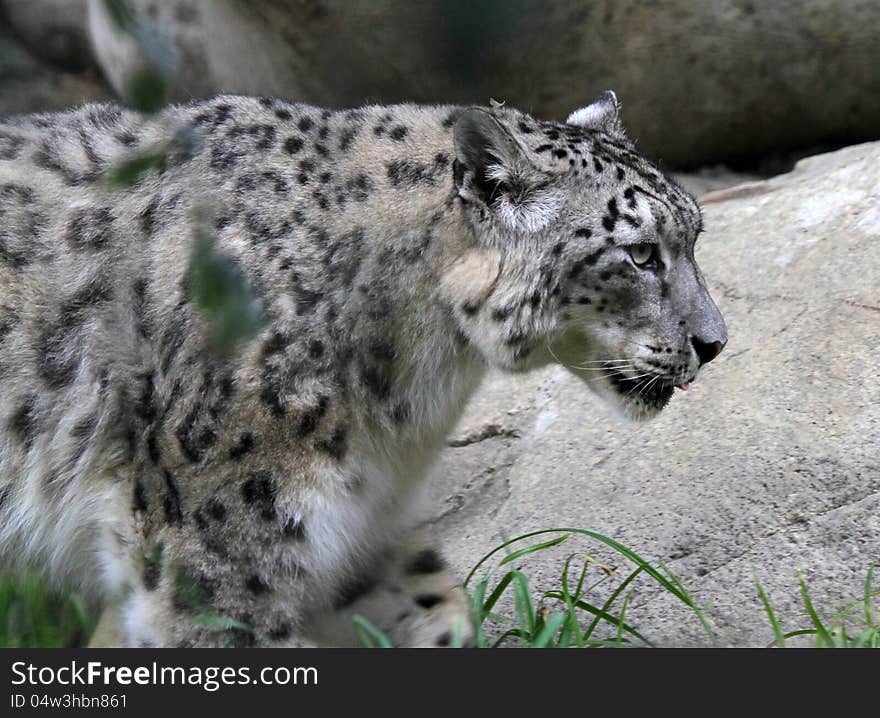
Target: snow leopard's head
x,y
593,249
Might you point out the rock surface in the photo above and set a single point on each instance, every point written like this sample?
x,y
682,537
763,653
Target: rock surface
x,y
702,82
771,460
53,30
30,84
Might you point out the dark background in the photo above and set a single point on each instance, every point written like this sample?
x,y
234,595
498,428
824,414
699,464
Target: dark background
x,y
740,82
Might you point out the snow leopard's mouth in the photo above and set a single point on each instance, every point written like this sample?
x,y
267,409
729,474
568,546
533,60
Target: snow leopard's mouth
x,y
654,391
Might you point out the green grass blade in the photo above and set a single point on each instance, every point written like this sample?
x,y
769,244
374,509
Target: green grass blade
x,y
34,616
583,577
458,632
605,643
551,626
496,594
822,635
370,636
602,614
689,601
620,622
571,628
611,543
670,583
525,608
611,599
511,633
220,623
779,636
869,580
564,578
799,632
513,556
477,611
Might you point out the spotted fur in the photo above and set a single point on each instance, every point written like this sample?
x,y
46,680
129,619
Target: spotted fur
x,y
396,253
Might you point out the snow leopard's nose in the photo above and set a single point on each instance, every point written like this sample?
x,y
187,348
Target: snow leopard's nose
x,y
707,329
707,351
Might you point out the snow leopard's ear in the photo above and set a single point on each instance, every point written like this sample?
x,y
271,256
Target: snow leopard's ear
x,y
602,114
492,168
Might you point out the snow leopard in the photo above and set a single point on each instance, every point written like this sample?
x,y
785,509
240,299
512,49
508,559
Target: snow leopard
x,y
396,254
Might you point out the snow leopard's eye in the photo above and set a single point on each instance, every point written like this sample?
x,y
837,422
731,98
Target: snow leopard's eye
x,y
644,255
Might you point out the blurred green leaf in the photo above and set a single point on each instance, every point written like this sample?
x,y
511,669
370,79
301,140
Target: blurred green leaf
x,y
121,13
147,90
189,593
153,58
219,289
180,146
131,170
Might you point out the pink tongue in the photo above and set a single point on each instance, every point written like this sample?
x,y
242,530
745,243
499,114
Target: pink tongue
x,y
683,387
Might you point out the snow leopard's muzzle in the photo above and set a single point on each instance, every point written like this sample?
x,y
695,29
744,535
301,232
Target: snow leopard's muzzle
x,y
670,350
649,338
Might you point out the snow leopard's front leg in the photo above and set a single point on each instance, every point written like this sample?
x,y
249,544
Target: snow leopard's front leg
x,y
181,605
409,595
231,565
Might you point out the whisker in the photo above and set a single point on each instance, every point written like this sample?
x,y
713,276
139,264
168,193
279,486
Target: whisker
x,y
644,381
649,385
599,368
606,361
610,370
568,366
631,378
595,378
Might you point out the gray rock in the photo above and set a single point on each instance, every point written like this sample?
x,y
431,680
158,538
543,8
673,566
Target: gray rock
x,y
701,82
29,84
714,178
771,460
170,38
53,30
